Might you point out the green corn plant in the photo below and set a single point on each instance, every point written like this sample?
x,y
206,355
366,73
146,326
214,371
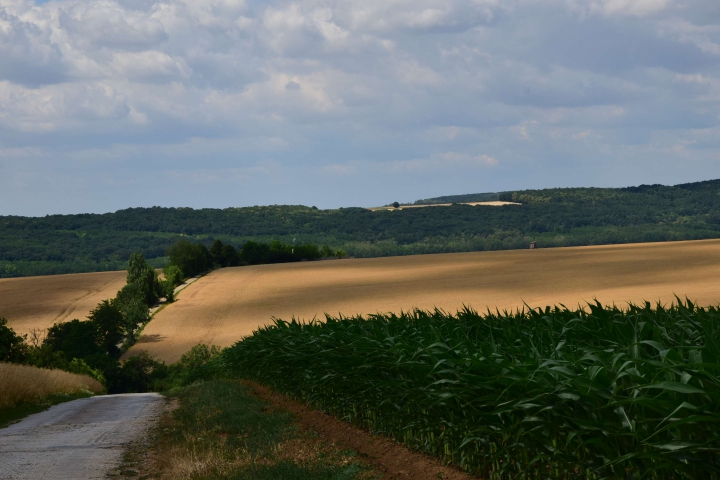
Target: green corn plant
x,y
597,392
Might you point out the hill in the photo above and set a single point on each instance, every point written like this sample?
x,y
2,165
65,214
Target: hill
x,y
551,217
467,198
230,303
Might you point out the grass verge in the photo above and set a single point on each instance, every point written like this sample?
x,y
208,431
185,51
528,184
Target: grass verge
x,y
220,430
10,415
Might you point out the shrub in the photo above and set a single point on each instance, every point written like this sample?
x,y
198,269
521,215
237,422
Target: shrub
x,y
12,346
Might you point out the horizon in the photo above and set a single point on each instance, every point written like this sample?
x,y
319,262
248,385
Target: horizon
x,y
113,104
354,206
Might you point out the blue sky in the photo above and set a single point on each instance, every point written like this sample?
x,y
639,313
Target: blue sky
x,y
218,103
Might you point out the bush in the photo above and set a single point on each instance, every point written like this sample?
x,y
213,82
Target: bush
x,y
12,347
74,339
192,259
139,374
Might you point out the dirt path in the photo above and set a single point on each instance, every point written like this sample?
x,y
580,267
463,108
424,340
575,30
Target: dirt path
x,y
82,439
393,460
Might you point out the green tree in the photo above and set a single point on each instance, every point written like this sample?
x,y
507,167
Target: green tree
x,y
230,256
136,267
140,273
12,347
216,250
173,274
109,327
131,302
193,259
75,339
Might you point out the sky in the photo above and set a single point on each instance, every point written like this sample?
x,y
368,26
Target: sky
x,y
107,104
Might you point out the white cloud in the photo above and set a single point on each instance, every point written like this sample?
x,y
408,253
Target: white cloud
x,y
422,86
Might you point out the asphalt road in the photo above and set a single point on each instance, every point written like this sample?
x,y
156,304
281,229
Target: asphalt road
x,y
81,439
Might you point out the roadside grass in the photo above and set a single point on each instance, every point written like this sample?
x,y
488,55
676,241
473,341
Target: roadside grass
x,y
25,390
10,415
220,430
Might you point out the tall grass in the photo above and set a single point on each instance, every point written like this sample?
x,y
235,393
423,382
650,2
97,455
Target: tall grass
x,y
20,383
601,392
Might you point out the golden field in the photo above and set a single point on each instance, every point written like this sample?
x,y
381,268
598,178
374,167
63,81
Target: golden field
x,y
230,303
20,383
40,302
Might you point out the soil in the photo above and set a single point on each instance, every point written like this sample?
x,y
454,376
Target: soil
x,y
394,461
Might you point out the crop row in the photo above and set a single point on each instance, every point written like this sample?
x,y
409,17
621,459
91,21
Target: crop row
x,y
600,392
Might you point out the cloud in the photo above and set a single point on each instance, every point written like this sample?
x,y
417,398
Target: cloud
x,y
352,99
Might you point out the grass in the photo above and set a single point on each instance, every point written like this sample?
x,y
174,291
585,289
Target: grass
x,y
10,415
22,383
26,390
219,430
548,393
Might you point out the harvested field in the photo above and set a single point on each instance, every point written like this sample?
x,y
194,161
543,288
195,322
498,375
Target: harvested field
x,y
40,302
230,303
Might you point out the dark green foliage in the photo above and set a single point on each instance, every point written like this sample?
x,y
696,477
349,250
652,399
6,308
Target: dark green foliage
x,y
553,217
195,365
551,393
193,259
131,301
255,253
12,346
173,275
74,339
138,374
224,255
144,279
109,326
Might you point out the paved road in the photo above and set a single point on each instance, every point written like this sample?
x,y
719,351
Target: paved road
x,y
82,439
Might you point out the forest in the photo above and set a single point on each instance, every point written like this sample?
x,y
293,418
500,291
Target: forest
x,y
552,217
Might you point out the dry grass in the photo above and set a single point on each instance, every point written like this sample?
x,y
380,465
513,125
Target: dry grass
x,y
39,302
230,303
20,383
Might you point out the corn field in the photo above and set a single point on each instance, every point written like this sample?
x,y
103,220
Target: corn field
x,y
600,392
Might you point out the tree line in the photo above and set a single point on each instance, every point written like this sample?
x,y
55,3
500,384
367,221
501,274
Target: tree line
x,y
94,346
552,217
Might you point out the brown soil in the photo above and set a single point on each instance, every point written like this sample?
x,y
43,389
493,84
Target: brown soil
x,y
388,457
230,303
40,302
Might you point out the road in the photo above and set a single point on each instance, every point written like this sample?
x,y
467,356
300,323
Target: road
x,y
81,439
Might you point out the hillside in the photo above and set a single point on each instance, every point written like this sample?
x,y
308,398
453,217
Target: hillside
x,y
230,303
551,217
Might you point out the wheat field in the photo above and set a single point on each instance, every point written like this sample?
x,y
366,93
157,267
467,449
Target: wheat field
x,y
20,383
230,303
40,302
